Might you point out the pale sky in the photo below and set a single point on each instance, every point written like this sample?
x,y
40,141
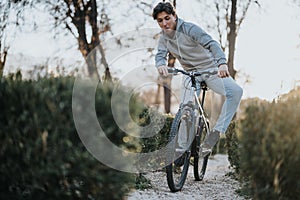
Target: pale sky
x,y
267,50
266,47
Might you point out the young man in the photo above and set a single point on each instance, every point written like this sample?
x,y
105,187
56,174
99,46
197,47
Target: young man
x,y
197,51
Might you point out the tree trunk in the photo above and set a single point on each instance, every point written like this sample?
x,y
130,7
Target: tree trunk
x,y
91,61
107,76
167,93
1,68
157,97
167,85
232,39
2,62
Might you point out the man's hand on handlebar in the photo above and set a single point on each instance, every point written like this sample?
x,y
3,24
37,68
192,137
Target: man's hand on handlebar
x,y
163,70
223,71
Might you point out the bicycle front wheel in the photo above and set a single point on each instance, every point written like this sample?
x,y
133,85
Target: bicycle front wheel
x,y
200,163
178,166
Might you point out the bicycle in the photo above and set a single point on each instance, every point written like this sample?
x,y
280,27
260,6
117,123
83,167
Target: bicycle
x,y
196,127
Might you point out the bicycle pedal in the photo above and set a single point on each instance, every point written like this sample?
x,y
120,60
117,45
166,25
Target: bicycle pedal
x,y
177,169
180,161
205,152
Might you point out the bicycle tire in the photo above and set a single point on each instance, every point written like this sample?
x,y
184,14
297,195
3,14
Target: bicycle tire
x,y
199,161
176,181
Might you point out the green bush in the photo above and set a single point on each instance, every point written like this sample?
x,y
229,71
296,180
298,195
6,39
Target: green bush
x,y
41,154
161,138
160,125
232,146
270,149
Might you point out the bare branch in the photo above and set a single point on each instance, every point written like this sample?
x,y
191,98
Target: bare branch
x,y
245,10
227,12
145,7
218,22
257,3
70,29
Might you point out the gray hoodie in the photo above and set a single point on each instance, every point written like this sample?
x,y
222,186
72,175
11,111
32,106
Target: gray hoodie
x,y
192,46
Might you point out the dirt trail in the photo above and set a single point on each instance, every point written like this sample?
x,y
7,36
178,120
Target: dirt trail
x,y
214,186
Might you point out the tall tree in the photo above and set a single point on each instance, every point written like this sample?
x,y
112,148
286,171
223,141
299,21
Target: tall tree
x,y
229,16
86,22
11,16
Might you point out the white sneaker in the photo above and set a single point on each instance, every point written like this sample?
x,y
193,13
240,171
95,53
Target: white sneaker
x,y
205,150
180,150
180,154
209,142
212,138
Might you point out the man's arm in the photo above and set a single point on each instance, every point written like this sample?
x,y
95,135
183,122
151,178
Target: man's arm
x,y
213,46
161,58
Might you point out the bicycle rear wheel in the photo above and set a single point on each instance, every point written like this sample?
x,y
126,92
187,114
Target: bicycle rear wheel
x,y
178,163
200,163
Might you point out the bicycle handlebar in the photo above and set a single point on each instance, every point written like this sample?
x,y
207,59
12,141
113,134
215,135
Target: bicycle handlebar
x,y
191,73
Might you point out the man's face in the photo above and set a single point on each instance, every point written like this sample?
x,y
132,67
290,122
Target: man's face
x,y
166,21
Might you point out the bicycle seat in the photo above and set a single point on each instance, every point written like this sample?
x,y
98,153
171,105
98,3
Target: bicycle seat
x,y
203,85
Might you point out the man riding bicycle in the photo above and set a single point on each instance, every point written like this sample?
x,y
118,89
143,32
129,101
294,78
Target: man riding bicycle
x,y
196,51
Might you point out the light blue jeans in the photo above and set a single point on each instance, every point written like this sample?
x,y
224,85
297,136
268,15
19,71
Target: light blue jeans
x,y
223,86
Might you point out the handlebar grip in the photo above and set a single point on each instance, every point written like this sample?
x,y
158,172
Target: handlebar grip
x,y
172,70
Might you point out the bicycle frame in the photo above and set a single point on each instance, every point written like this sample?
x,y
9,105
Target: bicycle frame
x,y
199,105
193,75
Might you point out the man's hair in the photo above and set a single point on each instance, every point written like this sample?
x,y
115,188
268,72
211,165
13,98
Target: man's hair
x,y
163,7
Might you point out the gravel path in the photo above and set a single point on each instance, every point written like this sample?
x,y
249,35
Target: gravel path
x,y
215,185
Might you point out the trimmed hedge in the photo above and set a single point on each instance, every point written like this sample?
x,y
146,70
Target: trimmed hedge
x,y
159,140
41,154
232,145
270,149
